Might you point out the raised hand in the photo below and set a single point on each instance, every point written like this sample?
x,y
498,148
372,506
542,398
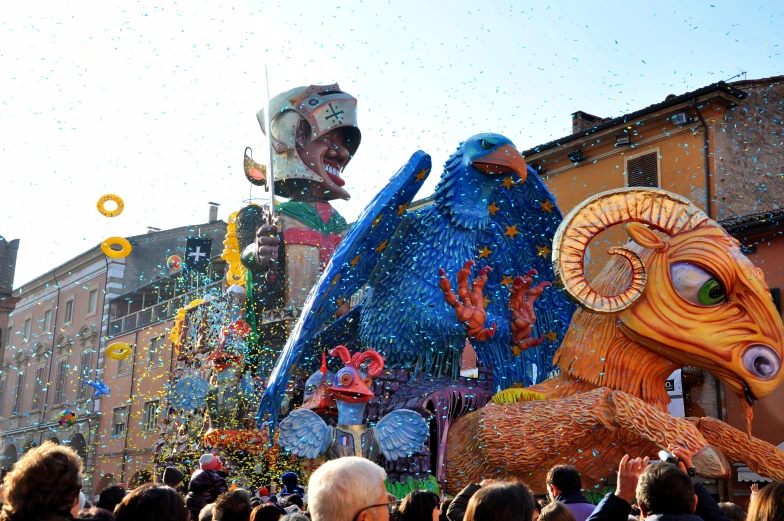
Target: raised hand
x,y
470,307
521,306
629,472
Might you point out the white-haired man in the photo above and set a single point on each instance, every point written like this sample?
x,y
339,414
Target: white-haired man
x,y
349,489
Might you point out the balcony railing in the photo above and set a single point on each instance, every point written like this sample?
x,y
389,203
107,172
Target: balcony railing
x,y
158,313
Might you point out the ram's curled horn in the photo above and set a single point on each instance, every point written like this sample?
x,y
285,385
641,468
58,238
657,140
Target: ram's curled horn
x,y
376,361
662,210
342,352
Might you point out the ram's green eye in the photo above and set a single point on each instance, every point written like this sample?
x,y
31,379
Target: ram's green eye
x,y
487,145
712,293
696,285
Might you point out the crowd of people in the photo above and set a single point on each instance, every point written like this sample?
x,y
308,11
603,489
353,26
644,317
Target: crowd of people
x,y
46,484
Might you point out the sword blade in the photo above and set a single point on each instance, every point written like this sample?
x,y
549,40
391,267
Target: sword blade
x,y
270,151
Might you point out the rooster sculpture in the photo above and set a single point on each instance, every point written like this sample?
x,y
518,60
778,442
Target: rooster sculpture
x,y
396,254
398,434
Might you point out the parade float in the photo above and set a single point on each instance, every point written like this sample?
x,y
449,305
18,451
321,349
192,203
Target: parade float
x,y
556,383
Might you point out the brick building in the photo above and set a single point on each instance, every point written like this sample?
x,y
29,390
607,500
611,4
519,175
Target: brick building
x,y
58,332
8,251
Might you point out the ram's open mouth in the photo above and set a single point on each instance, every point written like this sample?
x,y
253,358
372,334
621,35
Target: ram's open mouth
x,y
332,169
750,398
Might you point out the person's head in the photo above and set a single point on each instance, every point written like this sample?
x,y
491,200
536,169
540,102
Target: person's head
x,y
172,477
664,489
443,507
348,489
46,480
562,479
501,501
209,461
293,500
733,511
110,497
206,513
556,511
768,505
152,503
266,512
290,481
96,514
232,506
419,505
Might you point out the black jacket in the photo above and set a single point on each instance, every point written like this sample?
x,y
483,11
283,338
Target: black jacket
x,y
457,508
613,508
204,488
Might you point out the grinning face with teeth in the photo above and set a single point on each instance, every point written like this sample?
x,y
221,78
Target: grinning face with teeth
x,y
326,156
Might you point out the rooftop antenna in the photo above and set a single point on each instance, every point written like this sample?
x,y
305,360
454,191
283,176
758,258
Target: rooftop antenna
x,y
741,73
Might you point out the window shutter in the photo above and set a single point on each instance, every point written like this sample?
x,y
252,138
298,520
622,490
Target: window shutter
x,y
642,171
19,391
38,389
59,393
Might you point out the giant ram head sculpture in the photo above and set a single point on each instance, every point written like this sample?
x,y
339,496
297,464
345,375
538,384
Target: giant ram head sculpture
x,y
680,292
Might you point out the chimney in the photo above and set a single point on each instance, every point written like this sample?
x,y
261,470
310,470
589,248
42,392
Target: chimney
x,y
582,121
213,212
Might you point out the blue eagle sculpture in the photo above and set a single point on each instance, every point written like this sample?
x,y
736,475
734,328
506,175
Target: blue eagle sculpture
x,y
488,208
397,435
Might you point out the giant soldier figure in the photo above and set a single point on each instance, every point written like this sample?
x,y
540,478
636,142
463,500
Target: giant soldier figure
x,y
314,136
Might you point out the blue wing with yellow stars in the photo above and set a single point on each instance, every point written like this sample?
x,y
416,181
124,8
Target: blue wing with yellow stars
x,y
401,433
304,434
524,218
349,270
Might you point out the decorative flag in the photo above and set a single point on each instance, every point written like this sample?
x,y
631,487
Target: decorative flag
x,y
197,254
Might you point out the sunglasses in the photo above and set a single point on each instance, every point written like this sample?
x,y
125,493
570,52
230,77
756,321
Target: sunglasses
x,y
391,507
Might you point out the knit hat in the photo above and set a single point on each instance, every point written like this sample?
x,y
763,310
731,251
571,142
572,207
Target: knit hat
x,y
172,476
209,462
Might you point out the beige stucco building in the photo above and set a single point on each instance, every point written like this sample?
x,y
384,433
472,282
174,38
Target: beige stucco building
x,y
57,335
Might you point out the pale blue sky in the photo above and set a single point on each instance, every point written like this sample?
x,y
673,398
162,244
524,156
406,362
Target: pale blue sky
x,y
156,101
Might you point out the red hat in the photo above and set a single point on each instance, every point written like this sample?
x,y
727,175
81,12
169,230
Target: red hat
x,y
209,462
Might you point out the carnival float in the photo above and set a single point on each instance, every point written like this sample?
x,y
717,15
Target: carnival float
x,y
570,370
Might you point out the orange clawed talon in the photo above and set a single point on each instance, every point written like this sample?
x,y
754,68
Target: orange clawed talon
x,y
469,307
521,306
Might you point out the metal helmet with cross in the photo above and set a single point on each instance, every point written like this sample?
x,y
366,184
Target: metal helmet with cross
x,y
324,108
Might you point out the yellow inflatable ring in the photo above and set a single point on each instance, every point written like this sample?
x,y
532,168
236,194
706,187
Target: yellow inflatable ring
x,y
110,213
118,351
106,247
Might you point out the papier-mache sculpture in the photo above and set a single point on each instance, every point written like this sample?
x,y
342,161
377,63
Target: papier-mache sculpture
x,y
398,434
